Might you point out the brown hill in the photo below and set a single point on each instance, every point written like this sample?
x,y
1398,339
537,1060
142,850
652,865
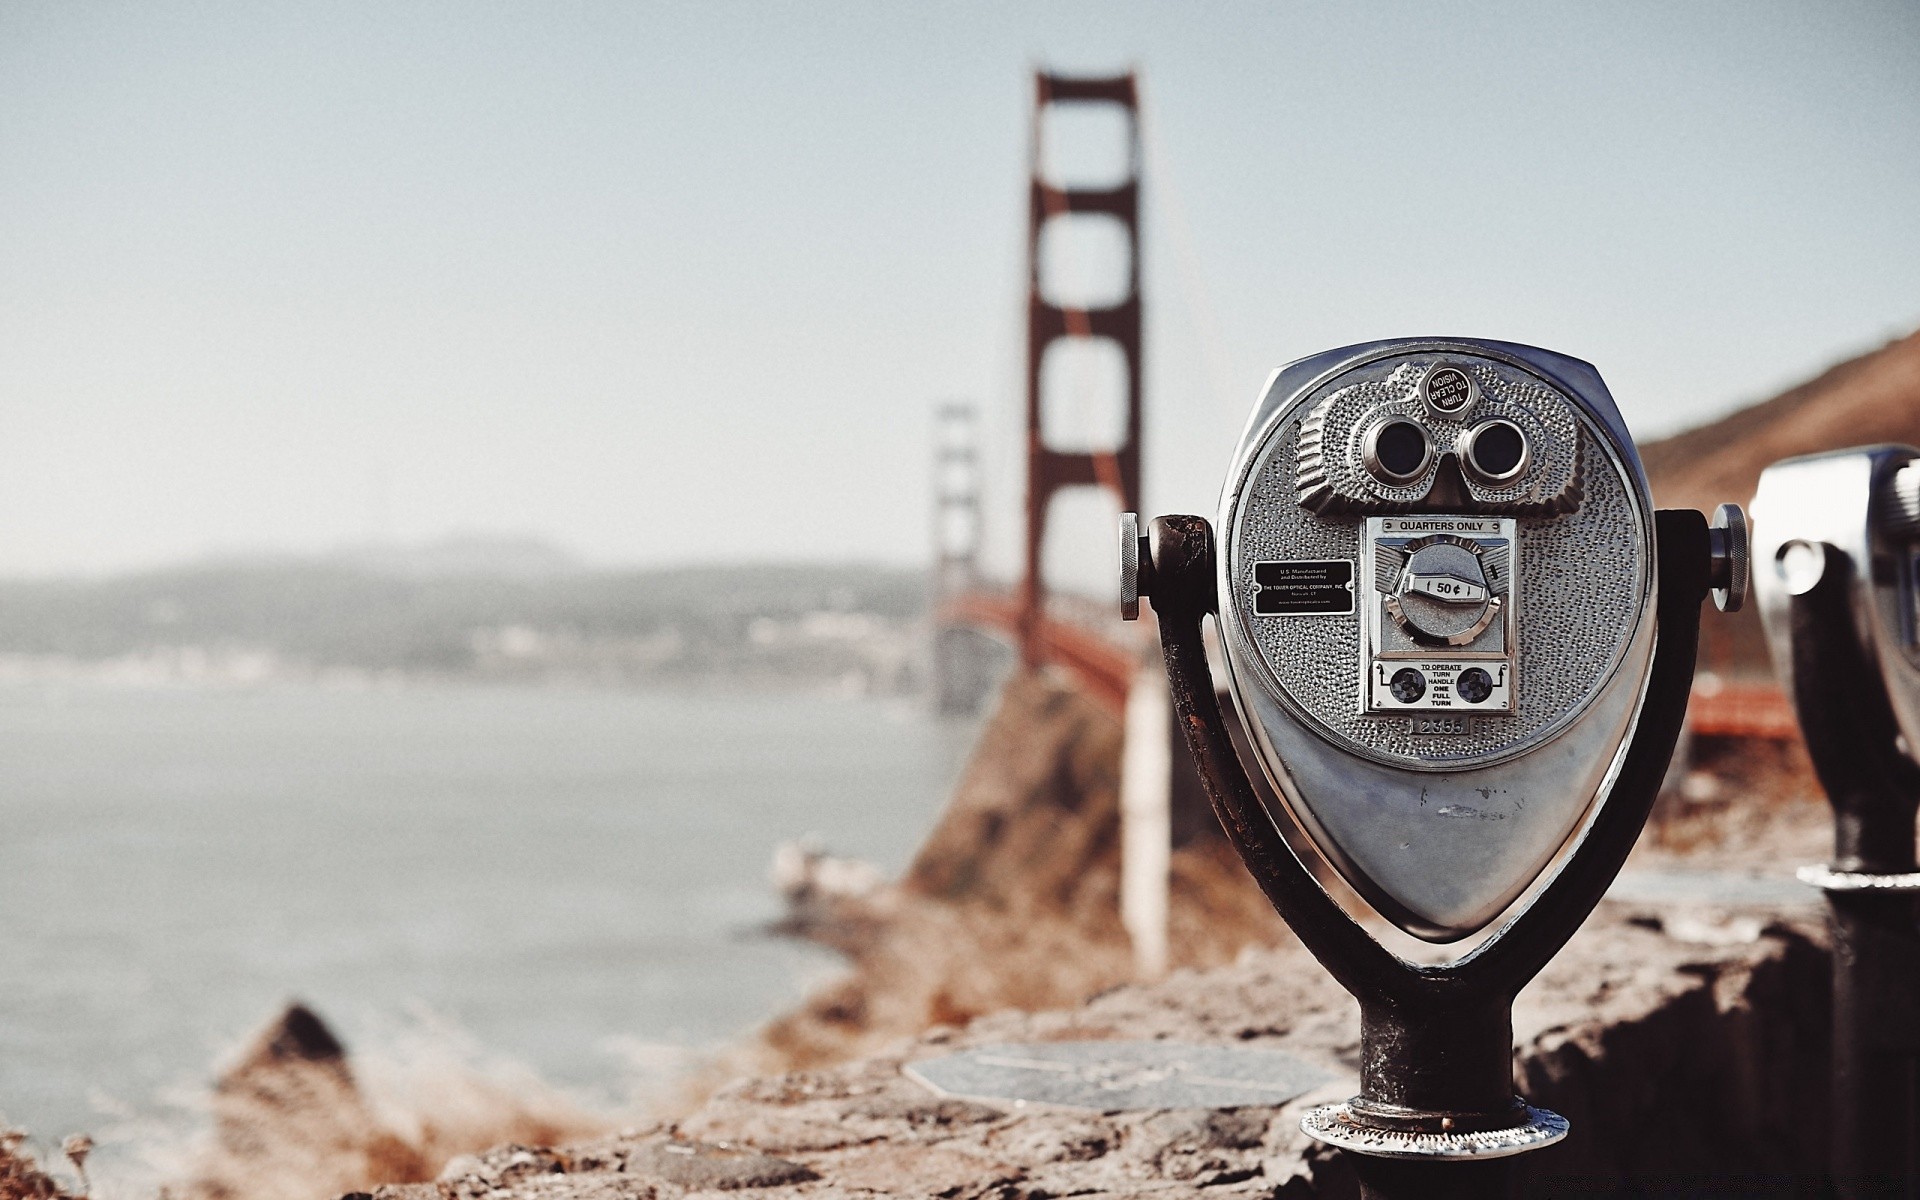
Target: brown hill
x,y
1872,398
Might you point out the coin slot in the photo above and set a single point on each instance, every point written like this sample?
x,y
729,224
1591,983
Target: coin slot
x,y
1496,451
1397,451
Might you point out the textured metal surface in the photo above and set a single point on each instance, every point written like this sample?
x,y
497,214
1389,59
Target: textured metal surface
x,y
1330,455
1732,558
1479,460
1900,503
1846,500
1575,623
1835,577
1436,1040
1441,824
1129,566
1441,603
1334,1125
1440,853
1118,1076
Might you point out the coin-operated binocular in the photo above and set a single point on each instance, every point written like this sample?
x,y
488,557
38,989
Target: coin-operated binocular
x,y
1460,641
1837,550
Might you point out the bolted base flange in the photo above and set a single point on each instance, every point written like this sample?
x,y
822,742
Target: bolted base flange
x,y
1829,880
1335,1125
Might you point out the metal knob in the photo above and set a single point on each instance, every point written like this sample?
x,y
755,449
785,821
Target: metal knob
x,y
1136,566
1900,503
1731,572
1802,565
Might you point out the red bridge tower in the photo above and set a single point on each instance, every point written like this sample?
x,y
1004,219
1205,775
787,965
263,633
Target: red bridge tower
x,y
1048,469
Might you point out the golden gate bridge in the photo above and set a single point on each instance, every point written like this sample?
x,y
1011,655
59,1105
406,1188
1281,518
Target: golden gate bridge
x,y
1089,643
1102,665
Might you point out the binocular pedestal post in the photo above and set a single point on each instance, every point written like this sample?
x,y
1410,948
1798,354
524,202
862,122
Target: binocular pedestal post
x,y
1872,886
1876,1050
1436,1114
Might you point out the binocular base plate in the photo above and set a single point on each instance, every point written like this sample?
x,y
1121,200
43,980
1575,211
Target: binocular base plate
x,y
1334,1125
1829,880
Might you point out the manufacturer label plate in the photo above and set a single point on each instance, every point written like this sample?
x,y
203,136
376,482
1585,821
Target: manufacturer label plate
x,y
1303,588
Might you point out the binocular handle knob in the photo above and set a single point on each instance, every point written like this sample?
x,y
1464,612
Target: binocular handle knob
x,y
1731,572
1136,566
1900,503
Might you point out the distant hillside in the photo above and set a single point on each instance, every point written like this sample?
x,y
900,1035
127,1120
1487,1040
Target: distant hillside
x,y
514,557
364,614
1872,398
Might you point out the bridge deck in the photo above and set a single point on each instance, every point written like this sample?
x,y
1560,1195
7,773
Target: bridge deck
x,y
1102,667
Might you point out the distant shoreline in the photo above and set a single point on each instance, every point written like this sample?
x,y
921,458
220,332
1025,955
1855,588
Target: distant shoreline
x,y
341,622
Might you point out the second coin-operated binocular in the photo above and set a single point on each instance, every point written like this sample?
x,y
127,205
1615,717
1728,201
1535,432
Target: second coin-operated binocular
x,y
1460,641
1837,554
1837,537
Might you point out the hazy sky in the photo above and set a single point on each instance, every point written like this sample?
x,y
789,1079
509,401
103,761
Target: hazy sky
x,y
684,283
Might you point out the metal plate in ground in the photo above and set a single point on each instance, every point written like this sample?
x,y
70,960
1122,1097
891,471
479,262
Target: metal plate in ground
x,y
1116,1076
1829,880
1726,889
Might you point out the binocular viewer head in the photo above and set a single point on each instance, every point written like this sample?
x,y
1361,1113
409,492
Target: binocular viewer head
x,y
1845,523
1461,656
1436,590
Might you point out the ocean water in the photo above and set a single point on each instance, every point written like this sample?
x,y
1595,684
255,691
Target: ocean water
x,y
560,874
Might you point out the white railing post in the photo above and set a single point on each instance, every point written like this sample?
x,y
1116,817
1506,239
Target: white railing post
x,y
1146,831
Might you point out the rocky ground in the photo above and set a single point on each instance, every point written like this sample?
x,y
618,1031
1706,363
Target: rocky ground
x,y
1686,1041
1673,1056
1013,901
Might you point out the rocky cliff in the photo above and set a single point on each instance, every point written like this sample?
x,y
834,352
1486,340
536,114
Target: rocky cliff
x,y
1687,1055
1013,900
